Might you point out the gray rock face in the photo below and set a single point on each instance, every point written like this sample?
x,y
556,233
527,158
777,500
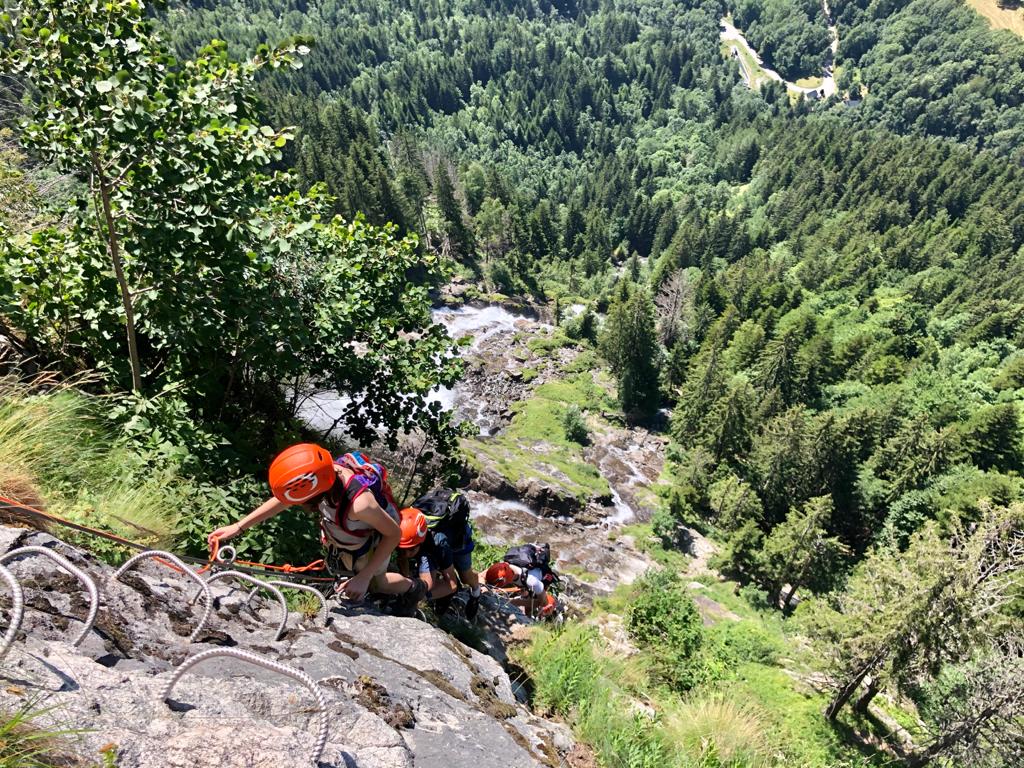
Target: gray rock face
x,y
400,693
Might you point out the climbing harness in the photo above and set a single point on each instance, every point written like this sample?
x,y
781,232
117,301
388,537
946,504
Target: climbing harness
x,y
259,585
300,587
273,666
17,610
63,562
181,568
294,571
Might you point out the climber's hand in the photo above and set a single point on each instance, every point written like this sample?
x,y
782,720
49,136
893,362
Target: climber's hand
x,y
223,534
356,587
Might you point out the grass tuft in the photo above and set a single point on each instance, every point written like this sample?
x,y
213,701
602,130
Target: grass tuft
x,y
24,743
56,453
718,730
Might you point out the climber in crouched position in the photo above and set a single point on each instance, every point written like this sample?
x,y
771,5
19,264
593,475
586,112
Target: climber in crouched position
x,y
359,521
437,541
527,575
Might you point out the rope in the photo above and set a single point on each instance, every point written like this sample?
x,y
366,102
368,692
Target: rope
x,y
297,571
300,587
259,584
181,568
63,562
273,666
17,610
316,565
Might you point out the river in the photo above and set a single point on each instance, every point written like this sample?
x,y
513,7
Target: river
x,y
322,410
630,459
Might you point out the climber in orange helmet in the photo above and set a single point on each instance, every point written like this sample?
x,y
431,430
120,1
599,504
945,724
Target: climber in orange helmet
x,y
421,552
527,571
358,517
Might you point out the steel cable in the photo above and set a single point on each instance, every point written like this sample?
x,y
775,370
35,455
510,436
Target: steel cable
x,y
280,584
204,587
255,582
273,666
82,576
17,610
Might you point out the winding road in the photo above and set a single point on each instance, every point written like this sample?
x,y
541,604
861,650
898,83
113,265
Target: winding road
x,y
735,38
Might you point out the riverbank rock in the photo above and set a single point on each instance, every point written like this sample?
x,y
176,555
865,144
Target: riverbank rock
x,y
400,692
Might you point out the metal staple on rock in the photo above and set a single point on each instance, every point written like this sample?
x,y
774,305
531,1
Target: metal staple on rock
x,y
255,582
292,585
82,576
273,666
17,610
204,589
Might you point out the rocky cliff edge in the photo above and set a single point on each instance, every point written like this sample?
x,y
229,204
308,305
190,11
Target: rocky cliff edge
x,y
399,692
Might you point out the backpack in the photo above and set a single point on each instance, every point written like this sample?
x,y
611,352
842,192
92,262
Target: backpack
x,y
530,556
446,511
368,475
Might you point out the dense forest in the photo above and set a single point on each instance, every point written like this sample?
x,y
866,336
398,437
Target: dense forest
x,y
792,37
827,298
935,68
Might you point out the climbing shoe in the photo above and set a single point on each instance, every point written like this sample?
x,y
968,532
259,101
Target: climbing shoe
x,y
472,608
441,605
406,604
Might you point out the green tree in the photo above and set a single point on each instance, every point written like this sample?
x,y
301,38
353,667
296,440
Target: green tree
x,y
458,235
904,615
799,552
630,345
225,282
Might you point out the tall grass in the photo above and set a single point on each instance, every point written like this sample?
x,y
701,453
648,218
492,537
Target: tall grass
x,y
46,437
716,730
573,677
26,744
58,452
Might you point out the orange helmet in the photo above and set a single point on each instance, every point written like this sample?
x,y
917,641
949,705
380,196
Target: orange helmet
x,y
414,528
301,472
500,575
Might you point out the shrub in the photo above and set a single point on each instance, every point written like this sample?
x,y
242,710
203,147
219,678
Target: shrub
x,y
575,425
665,525
739,642
501,277
583,327
664,619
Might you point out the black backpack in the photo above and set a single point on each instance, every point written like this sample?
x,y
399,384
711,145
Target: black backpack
x,y
446,511
530,556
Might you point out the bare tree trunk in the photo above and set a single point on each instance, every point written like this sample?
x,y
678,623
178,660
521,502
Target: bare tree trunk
x,y
114,247
788,598
943,744
846,693
862,704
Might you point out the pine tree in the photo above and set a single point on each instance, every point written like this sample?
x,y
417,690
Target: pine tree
x,y
459,236
799,552
903,615
630,345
